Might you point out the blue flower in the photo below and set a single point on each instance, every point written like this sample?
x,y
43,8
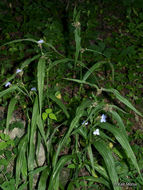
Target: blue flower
x,y
18,71
33,89
103,118
85,123
7,84
40,41
96,132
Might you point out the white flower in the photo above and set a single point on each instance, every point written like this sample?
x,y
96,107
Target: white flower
x,y
18,71
96,132
40,41
7,84
103,118
85,123
33,89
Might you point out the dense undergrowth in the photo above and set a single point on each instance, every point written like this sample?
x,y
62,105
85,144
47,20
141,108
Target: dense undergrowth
x,y
72,71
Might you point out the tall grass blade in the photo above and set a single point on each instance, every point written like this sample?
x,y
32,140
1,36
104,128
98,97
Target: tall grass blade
x,y
93,68
109,161
77,32
31,155
122,99
41,128
20,168
65,60
82,82
43,179
40,77
59,102
121,138
79,113
19,40
28,61
60,164
9,90
117,118
10,111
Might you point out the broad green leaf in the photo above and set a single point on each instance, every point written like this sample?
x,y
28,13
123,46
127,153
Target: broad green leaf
x,y
58,95
10,111
3,145
52,116
72,166
44,116
40,77
109,161
49,110
4,137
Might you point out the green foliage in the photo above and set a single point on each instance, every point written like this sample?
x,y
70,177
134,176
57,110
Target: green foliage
x,y
69,81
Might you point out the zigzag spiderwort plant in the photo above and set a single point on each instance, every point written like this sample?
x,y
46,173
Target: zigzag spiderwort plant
x,y
91,137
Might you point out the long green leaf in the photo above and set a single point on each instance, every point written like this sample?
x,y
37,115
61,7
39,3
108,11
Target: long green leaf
x,y
43,179
38,170
10,111
82,82
9,90
28,61
117,117
122,99
65,60
20,168
59,102
19,40
79,113
94,179
41,128
31,155
121,138
63,160
109,161
92,69
40,77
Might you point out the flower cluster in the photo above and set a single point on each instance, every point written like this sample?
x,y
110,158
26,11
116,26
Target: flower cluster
x,y
103,120
85,123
